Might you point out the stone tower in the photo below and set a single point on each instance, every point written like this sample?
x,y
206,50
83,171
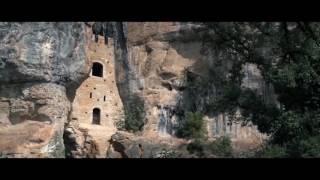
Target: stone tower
x,y
97,103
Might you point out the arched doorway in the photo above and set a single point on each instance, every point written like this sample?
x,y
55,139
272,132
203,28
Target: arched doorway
x,y
96,116
97,69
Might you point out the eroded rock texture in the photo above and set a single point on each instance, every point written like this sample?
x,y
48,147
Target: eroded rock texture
x,y
158,61
41,65
127,145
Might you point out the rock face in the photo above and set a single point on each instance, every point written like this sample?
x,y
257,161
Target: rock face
x,y
49,93
158,59
41,65
79,143
127,145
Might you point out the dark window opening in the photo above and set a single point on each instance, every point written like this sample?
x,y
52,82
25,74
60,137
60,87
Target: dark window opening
x,y
97,69
104,98
90,95
96,116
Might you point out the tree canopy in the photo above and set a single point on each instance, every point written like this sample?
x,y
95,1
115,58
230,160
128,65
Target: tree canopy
x,y
288,56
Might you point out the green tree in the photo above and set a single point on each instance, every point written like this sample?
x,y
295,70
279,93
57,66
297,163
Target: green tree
x,y
134,114
272,151
221,147
193,126
287,54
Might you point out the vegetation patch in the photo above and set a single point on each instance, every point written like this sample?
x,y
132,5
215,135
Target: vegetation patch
x,y
134,114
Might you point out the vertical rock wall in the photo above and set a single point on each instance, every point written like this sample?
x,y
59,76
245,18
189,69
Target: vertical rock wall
x,y
41,65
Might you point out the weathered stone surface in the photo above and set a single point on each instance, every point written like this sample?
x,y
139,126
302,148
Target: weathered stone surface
x,y
126,145
95,92
79,143
25,108
99,92
42,52
45,84
152,63
41,65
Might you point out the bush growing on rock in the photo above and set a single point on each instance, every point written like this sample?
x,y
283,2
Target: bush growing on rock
x,y
287,55
193,127
272,151
167,154
196,147
134,114
221,147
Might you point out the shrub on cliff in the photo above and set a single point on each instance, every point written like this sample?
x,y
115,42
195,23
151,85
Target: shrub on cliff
x,y
287,54
299,148
193,127
134,114
272,151
221,147
197,147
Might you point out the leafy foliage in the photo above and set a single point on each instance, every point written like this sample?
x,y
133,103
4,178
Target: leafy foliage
x,y
308,148
272,151
221,147
287,55
167,154
193,127
134,114
197,147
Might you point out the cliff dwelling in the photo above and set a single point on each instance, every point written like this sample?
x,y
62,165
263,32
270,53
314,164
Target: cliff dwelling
x,y
94,106
95,98
190,90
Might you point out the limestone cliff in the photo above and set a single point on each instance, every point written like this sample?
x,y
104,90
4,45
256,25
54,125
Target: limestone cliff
x,y
41,65
156,63
48,92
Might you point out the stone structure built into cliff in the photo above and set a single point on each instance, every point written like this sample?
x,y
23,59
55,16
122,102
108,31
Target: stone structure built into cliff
x,y
63,88
97,106
97,101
